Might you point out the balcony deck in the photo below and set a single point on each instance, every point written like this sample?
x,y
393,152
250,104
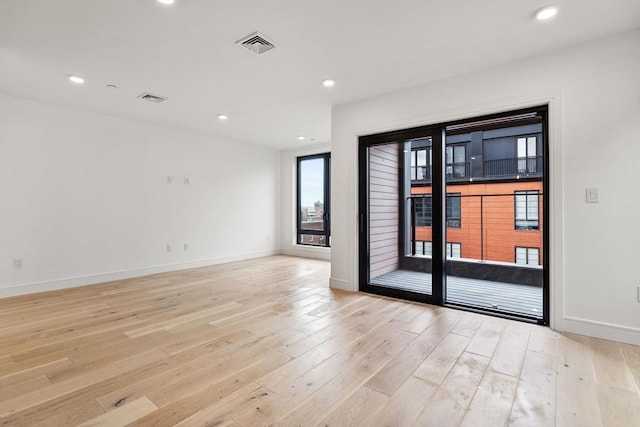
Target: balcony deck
x,y
508,297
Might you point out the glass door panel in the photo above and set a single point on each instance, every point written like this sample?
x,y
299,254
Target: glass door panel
x,y
396,218
454,214
494,230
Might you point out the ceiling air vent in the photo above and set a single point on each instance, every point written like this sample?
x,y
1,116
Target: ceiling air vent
x,y
156,99
256,43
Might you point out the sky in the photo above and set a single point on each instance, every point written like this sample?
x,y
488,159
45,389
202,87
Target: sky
x,y
311,176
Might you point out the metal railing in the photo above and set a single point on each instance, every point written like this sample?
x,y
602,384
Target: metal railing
x,y
453,172
461,171
513,166
488,226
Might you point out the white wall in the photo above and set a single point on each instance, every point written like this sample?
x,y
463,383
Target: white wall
x,y
594,95
288,205
84,198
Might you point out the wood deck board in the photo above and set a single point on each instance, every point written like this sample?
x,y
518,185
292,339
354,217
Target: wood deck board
x,y
510,297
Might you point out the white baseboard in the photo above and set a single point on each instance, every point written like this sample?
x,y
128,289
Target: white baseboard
x,y
308,252
341,284
72,282
607,331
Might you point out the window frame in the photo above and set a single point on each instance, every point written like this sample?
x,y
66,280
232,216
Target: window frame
x,y
528,162
427,220
413,164
526,253
449,250
326,215
526,194
450,220
452,168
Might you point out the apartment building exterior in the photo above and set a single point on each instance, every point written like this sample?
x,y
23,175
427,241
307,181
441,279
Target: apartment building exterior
x,y
494,195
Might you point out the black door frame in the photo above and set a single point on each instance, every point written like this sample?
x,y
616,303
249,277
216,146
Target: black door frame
x,y
438,132
401,136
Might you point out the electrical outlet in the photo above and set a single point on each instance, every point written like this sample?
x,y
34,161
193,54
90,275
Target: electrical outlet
x,y
186,247
592,195
17,263
268,237
169,248
186,180
169,179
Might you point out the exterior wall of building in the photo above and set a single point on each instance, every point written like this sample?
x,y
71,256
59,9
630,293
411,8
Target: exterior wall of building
x,y
489,234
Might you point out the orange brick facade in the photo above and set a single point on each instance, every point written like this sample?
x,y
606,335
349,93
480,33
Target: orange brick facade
x,y
487,229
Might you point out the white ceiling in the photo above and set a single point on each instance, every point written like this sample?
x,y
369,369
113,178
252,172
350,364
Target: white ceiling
x,y
187,52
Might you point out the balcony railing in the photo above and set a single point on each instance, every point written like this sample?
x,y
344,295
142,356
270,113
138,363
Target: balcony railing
x,y
513,166
461,171
488,227
453,172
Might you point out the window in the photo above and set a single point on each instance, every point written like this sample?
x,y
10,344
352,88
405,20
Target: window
x,y
453,210
420,169
313,200
456,159
527,256
423,248
527,149
423,211
454,250
526,207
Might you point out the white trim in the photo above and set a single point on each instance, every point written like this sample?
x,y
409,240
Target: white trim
x,y
604,330
308,252
72,282
340,284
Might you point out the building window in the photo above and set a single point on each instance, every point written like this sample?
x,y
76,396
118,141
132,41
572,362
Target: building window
x,y
423,248
527,256
526,207
421,164
313,200
454,250
527,151
423,211
456,161
453,210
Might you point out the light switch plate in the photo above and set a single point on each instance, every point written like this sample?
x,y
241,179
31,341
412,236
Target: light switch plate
x,y
592,195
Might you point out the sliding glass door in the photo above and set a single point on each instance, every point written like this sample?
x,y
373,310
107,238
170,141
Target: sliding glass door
x,y
454,214
396,221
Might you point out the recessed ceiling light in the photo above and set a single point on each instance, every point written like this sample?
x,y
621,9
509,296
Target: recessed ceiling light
x,y
223,116
300,138
328,82
546,13
76,79
166,1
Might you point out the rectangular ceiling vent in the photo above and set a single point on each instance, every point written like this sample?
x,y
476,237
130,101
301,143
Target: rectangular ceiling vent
x,y
156,99
256,43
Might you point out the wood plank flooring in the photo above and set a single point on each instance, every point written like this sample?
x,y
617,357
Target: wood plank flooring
x,y
266,342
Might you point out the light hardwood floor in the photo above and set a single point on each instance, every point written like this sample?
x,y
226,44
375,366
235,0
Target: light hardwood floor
x,y
266,342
